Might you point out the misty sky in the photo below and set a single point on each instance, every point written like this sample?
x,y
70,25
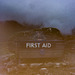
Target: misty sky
x,y
52,13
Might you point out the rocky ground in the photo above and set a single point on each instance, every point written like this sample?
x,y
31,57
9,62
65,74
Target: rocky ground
x,y
8,67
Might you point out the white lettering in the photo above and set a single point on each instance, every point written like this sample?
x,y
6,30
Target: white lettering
x,y
37,45
46,45
32,45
